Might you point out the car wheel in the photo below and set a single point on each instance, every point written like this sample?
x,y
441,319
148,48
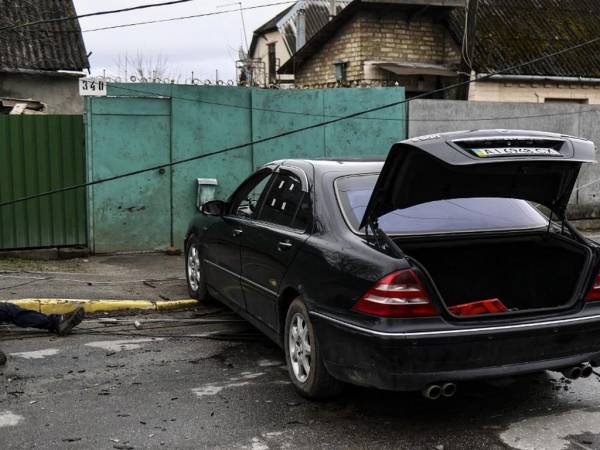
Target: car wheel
x,y
193,270
303,356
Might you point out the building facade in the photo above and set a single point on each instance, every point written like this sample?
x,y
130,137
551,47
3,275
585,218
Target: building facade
x,y
372,43
426,45
40,64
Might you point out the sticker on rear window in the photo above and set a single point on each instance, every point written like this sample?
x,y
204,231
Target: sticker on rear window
x,y
514,151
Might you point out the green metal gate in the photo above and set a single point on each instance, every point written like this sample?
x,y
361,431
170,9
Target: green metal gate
x,y
40,154
139,126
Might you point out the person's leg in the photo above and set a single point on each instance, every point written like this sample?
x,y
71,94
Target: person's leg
x,y
24,318
62,324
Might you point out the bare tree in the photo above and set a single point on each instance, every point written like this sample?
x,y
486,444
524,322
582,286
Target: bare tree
x,y
143,67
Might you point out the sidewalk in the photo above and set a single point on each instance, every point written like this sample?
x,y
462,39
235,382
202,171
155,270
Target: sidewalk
x,y
105,283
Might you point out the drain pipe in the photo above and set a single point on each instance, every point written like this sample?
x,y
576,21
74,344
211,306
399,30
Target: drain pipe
x,y
300,28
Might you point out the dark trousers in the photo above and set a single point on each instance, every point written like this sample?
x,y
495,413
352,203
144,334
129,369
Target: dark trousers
x,y
24,318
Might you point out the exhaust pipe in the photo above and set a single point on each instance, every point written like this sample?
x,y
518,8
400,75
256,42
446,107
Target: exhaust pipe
x,y
448,389
572,372
432,392
586,371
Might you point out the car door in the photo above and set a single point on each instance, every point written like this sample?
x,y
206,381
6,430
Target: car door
x,y
221,253
271,240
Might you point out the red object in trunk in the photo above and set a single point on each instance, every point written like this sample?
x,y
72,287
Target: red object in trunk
x,y
594,293
490,306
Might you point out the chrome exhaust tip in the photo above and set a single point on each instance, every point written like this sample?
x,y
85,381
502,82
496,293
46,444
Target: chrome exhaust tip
x,y
432,392
572,373
586,371
448,389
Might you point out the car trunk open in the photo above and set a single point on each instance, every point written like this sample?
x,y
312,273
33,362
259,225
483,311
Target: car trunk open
x,y
537,271
542,270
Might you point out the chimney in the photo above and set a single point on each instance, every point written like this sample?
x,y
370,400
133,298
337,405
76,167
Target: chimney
x,y
332,9
301,29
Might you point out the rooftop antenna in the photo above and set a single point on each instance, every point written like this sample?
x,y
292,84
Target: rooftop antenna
x,y
239,4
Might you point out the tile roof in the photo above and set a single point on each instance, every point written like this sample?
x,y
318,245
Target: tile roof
x,y
50,46
510,32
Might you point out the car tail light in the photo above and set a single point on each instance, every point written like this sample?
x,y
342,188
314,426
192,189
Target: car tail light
x,y
594,293
399,294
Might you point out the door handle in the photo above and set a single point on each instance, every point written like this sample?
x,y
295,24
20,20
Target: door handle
x,y
236,232
284,245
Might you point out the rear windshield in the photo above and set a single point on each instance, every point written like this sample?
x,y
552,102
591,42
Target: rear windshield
x,y
442,216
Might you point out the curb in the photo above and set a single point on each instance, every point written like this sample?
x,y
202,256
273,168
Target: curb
x,y
62,306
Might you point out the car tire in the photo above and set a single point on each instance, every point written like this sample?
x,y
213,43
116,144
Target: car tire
x,y
303,356
194,273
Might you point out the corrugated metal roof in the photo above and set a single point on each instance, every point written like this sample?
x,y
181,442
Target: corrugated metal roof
x,y
316,14
510,32
270,25
50,46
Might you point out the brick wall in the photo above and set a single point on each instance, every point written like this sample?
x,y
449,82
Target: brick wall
x,y
379,35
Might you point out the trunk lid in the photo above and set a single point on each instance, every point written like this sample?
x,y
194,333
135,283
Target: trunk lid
x,y
535,166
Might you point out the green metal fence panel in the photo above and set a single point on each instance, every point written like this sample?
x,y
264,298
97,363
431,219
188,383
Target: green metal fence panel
x,y
131,213
40,154
286,110
197,120
209,119
370,134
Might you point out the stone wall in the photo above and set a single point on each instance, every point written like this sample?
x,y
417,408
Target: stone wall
x,y
60,93
493,91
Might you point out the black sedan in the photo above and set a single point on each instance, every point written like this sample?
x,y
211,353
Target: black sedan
x,y
451,261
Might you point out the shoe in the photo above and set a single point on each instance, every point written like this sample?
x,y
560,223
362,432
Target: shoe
x,y
2,358
66,322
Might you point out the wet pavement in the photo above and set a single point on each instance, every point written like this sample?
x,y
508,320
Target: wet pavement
x,y
205,379
143,276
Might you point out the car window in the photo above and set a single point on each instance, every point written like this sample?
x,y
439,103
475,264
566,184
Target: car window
x,y
247,200
442,216
286,204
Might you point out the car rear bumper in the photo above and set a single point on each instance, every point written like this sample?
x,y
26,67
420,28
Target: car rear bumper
x,y
410,361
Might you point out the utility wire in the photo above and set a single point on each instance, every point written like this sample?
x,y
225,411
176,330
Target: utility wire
x,y
301,129
187,17
97,13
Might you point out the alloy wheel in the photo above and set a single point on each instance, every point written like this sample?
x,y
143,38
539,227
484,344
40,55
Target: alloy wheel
x,y
193,267
299,347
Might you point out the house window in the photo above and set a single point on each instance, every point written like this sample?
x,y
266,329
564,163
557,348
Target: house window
x,y
340,71
582,101
272,63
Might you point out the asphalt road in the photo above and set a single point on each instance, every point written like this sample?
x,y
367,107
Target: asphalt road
x,y
189,384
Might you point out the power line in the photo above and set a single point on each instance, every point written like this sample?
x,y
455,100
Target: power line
x,y
298,130
187,17
97,13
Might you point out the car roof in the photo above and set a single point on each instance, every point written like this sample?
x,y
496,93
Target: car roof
x,y
348,165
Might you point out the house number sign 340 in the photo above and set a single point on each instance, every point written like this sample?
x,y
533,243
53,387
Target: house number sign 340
x,y
92,86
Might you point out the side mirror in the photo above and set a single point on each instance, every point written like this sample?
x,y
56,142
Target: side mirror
x,y
214,208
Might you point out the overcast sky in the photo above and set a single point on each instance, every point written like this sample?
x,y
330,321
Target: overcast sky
x,y
201,45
